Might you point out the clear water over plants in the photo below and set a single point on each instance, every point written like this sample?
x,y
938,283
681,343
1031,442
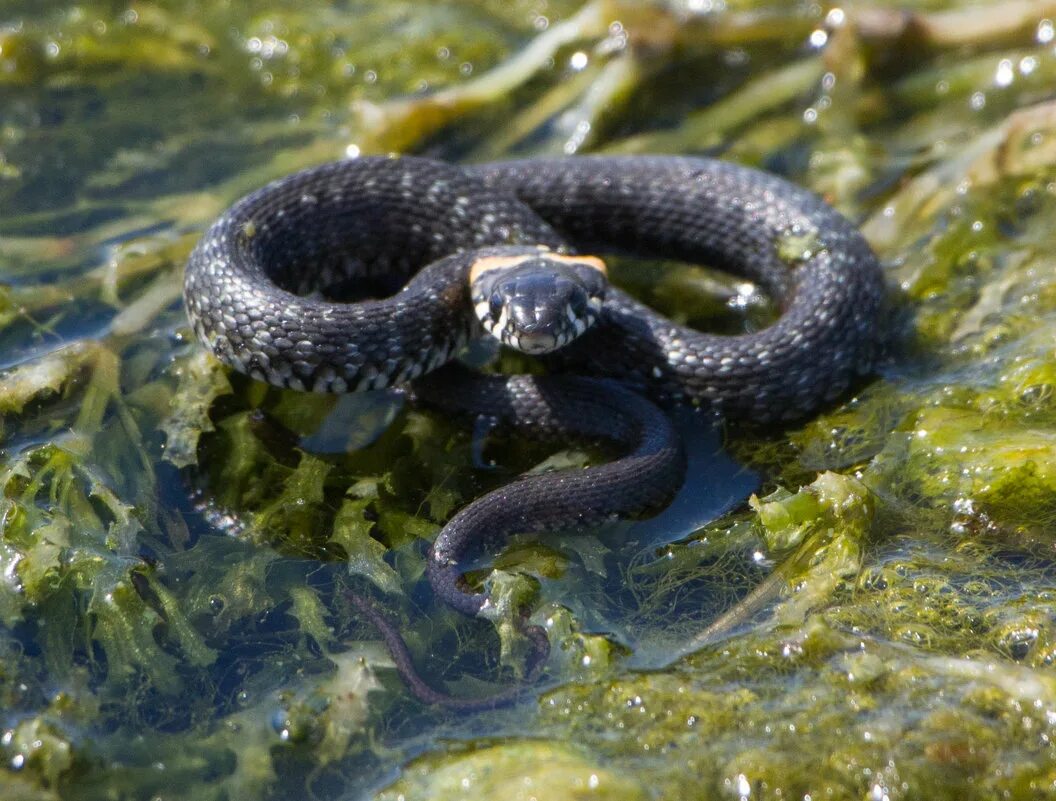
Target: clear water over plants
x,y
878,620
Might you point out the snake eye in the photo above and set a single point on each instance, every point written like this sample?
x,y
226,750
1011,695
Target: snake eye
x,y
495,305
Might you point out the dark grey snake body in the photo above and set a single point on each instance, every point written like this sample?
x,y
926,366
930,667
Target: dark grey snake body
x,y
247,278
253,288
643,480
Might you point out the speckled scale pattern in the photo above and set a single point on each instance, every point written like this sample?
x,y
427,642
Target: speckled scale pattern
x,y
256,290
755,225
342,221
644,478
252,285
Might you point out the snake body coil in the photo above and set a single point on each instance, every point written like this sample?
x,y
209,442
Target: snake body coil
x,y
247,282
263,290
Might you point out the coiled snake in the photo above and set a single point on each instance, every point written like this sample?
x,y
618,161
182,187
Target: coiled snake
x,y
493,249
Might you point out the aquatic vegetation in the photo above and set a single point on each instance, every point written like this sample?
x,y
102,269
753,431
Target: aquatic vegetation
x,y
175,541
522,771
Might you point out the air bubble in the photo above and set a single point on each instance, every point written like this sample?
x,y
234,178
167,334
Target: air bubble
x,y
1005,74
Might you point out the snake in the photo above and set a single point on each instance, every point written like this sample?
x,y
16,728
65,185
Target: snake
x,y
376,272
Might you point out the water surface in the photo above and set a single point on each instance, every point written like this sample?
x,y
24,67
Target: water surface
x,y
876,621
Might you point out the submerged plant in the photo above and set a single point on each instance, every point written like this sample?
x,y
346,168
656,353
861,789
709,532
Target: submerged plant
x,y
176,542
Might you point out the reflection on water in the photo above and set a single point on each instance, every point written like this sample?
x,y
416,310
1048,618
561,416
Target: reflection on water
x,y
885,608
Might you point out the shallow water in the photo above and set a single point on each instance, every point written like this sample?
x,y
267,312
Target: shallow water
x,y
878,622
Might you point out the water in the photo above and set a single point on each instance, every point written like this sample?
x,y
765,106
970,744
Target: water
x,y
174,541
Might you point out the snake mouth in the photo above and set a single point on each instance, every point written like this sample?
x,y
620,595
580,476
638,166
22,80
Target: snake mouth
x,y
534,343
537,302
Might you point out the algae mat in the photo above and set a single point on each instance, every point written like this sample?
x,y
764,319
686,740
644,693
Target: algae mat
x,y
878,621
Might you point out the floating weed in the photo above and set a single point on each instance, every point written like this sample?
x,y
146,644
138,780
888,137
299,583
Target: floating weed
x,y
174,539
201,381
520,772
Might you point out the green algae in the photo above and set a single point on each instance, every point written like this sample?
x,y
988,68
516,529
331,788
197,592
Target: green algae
x,y
176,540
518,772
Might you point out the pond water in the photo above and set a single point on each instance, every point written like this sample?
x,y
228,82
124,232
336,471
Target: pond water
x,y
878,620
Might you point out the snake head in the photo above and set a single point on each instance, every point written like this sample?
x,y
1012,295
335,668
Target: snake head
x,y
535,300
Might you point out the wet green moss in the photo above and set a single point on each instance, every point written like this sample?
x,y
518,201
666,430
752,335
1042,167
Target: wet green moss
x,y
175,541
524,771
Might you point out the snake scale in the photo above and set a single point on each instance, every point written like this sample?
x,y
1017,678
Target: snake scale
x,y
457,251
